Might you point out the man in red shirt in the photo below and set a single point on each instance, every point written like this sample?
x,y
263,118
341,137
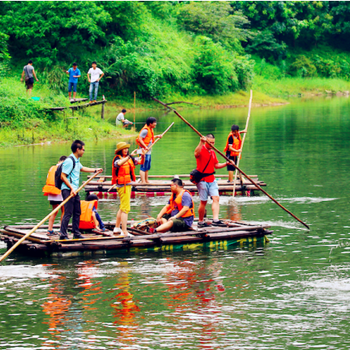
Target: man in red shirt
x,y
207,162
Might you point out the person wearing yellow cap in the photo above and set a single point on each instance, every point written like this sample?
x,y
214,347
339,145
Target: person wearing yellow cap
x,y
123,174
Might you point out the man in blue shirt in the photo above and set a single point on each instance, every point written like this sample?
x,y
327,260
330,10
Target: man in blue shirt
x,y
74,74
71,177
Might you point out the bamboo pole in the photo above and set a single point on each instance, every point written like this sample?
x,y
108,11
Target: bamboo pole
x,y
228,160
111,188
43,220
239,156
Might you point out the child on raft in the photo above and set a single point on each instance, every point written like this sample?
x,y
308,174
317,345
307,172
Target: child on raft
x,y
123,175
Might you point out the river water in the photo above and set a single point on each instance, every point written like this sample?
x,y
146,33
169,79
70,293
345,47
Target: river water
x,y
293,293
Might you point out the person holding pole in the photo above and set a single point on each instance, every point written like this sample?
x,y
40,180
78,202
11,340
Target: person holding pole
x,y
145,140
207,162
70,176
233,148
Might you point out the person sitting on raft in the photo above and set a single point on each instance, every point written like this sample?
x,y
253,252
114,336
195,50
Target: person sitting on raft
x,y
90,219
123,174
178,214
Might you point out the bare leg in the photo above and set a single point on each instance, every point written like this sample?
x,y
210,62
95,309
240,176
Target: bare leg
x,y
230,176
74,94
146,177
124,219
165,227
201,210
69,94
29,92
53,217
119,219
143,176
215,207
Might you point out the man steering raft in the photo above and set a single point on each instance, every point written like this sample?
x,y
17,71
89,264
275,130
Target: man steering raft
x,y
178,214
207,162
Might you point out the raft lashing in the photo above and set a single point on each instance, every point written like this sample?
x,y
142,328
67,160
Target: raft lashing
x,y
234,235
160,186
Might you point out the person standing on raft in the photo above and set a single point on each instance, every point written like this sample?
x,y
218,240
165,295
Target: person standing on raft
x,y
233,148
207,162
178,214
145,139
53,195
123,174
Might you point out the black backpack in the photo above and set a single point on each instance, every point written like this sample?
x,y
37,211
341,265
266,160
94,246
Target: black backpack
x,y
58,173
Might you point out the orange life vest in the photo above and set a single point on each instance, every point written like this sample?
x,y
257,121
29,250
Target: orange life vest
x,y
178,201
50,188
237,142
86,219
149,137
126,173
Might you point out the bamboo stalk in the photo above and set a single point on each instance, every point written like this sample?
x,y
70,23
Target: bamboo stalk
x,y
239,156
43,220
228,160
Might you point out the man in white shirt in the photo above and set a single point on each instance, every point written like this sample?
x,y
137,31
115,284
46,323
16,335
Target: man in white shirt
x,y
96,75
121,119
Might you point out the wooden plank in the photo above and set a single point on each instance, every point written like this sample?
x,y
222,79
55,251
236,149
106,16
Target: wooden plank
x,y
169,176
78,100
180,239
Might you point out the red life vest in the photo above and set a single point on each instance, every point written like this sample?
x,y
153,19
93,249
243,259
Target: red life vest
x,y
207,156
86,219
178,203
50,188
149,137
126,172
237,142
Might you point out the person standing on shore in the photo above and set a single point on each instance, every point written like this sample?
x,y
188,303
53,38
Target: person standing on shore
x,y
145,139
29,75
207,162
96,75
70,176
121,119
74,74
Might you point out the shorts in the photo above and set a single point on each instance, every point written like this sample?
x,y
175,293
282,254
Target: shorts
x,y
124,193
179,225
231,167
72,85
207,189
29,83
147,164
55,202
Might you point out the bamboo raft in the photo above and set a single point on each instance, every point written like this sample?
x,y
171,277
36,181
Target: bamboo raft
x,y
160,186
235,234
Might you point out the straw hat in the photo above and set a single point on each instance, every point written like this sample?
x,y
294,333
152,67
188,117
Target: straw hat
x,y
121,145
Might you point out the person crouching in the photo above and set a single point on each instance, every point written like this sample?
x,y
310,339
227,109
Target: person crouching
x,y
90,218
178,215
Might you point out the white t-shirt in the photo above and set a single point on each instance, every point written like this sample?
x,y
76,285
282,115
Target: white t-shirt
x,y
95,74
120,118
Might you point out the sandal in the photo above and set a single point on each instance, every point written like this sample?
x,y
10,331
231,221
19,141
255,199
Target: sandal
x,y
51,233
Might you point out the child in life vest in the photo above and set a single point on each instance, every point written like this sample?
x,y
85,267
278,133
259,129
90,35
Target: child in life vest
x,y
90,218
123,175
53,195
233,148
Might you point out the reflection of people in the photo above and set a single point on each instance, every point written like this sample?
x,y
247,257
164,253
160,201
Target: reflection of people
x,y
207,162
29,75
123,174
233,148
120,120
178,215
90,218
53,195
96,75
74,74
145,139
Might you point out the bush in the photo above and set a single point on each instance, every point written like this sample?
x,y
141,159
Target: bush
x,y
303,67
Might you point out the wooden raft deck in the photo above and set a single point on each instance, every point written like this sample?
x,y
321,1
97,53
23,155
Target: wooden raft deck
x,y
160,185
39,244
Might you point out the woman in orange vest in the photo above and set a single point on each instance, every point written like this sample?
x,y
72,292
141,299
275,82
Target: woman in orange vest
x,y
145,139
178,214
123,174
53,195
233,148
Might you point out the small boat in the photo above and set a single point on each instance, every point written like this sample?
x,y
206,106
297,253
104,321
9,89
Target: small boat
x,y
160,186
234,235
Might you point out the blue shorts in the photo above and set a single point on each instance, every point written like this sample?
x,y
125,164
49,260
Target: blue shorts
x,y
147,164
72,85
206,189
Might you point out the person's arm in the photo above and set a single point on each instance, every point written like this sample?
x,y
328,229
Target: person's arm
x,y
88,76
68,184
198,149
96,223
243,131
100,76
125,159
35,75
180,213
22,75
140,138
91,170
161,213
77,76
233,149
158,136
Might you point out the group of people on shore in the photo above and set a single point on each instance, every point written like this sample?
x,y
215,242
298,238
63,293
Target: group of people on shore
x,y
177,215
94,75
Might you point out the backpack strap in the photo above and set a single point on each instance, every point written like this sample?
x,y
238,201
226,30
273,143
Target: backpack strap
x,y
207,163
73,160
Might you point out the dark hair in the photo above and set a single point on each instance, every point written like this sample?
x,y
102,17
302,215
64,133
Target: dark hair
x,y
77,144
177,182
235,127
30,61
123,110
211,136
75,64
120,153
94,62
91,197
150,120
63,158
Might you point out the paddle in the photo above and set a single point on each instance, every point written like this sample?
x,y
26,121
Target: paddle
x,y
227,159
43,220
111,188
239,156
